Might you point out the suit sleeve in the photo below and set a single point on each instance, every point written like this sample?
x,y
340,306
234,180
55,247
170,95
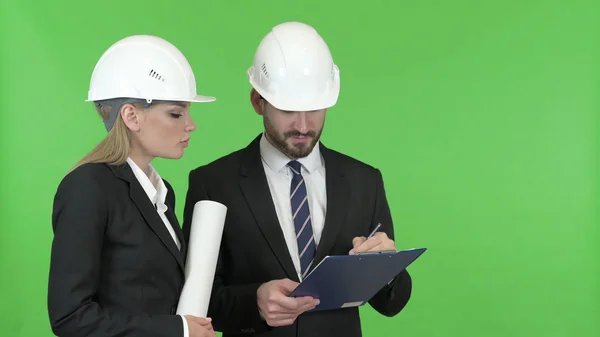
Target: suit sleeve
x,y
390,300
233,308
79,220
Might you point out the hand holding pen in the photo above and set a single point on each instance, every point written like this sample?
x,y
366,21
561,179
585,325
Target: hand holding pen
x,y
376,241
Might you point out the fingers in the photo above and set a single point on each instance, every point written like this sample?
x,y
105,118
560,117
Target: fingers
x,y
358,240
287,285
378,242
199,326
277,308
278,301
386,243
204,321
309,304
208,332
368,245
295,305
277,294
281,316
199,320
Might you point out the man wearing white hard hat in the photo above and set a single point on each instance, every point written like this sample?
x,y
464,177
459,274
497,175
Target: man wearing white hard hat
x,y
292,201
117,257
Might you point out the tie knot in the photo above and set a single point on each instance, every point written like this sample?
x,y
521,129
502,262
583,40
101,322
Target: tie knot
x,y
295,166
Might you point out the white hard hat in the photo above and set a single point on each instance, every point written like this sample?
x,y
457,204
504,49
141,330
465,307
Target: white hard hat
x,y
144,67
293,69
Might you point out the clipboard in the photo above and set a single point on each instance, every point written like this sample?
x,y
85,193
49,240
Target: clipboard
x,y
344,281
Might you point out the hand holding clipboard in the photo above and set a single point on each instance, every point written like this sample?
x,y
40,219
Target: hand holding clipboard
x,y
343,281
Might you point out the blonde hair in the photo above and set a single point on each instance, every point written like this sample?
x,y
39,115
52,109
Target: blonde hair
x,y
115,148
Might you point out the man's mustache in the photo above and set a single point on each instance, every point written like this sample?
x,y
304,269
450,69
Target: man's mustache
x,y
298,133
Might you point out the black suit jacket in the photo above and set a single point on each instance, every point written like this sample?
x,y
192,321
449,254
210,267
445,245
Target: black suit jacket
x,y
254,251
115,269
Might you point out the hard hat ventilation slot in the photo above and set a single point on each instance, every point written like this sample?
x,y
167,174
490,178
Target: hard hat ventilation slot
x,y
156,75
264,70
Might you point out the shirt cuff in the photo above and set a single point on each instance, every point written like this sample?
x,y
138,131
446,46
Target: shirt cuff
x,y
186,331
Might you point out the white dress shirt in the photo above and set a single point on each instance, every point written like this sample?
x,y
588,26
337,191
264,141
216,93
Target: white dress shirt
x,y
156,190
279,177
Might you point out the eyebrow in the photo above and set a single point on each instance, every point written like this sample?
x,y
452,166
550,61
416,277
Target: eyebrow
x,y
180,104
175,105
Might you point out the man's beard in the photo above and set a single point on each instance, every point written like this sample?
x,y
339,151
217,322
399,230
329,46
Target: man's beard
x,y
299,150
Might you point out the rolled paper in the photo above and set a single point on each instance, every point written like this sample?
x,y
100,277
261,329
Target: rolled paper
x,y
206,232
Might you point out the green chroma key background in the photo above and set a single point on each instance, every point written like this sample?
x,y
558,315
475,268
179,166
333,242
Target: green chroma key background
x,y
482,116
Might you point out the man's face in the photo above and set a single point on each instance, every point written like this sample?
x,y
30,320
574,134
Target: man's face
x,y
295,133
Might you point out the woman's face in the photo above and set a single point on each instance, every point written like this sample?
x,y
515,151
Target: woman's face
x,y
163,130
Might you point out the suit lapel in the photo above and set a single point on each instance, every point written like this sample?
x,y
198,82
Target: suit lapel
x,y
254,186
338,189
143,203
170,213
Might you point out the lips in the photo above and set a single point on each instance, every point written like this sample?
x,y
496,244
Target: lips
x,y
301,139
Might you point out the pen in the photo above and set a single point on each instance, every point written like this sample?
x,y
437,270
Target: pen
x,y
370,236
374,231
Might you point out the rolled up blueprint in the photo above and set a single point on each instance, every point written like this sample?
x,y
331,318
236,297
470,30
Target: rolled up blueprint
x,y
206,232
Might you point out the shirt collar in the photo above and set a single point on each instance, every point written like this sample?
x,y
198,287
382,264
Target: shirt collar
x,y
277,161
152,184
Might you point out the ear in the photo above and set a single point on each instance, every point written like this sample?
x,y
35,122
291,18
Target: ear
x,y
130,117
258,103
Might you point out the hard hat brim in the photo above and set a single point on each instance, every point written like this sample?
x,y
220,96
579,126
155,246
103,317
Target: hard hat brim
x,y
203,99
297,105
195,99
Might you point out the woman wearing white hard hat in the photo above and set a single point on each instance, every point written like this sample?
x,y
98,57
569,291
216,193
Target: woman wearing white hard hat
x,y
117,258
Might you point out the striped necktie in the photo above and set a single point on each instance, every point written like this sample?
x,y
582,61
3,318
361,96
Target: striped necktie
x,y
302,220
